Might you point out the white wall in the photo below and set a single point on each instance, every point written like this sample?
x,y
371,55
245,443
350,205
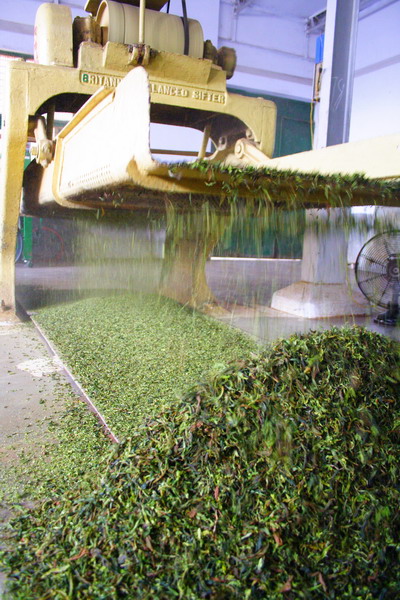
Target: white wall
x,y
275,56
376,93
205,11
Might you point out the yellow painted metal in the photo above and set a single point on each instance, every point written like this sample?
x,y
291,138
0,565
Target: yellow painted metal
x,y
174,89
54,48
125,24
125,161
93,5
12,164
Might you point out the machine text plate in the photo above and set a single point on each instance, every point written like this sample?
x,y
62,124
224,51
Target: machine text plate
x,y
162,89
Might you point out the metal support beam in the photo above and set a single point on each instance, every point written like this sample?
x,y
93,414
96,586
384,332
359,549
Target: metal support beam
x,y
344,51
338,72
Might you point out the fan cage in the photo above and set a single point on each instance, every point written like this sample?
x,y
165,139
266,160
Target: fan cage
x,y
377,269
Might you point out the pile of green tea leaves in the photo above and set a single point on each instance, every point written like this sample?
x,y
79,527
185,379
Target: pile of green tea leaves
x,y
276,478
136,353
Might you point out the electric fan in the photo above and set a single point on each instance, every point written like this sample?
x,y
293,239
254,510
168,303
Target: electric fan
x,y
377,271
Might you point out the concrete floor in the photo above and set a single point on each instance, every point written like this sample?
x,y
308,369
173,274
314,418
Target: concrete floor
x,y
28,390
30,382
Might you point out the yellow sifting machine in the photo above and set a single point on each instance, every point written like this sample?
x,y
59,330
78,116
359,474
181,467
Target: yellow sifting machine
x,y
117,71
123,67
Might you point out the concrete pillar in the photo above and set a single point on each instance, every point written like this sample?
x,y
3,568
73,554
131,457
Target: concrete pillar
x,y
190,239
326,288
324,248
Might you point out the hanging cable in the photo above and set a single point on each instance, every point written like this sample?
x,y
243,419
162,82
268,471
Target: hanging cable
x,y
168,5
185,28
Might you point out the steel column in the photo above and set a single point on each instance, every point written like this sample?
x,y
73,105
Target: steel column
x,y
342,77
334,109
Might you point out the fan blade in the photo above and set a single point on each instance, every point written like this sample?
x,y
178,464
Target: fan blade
x,y
375,268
